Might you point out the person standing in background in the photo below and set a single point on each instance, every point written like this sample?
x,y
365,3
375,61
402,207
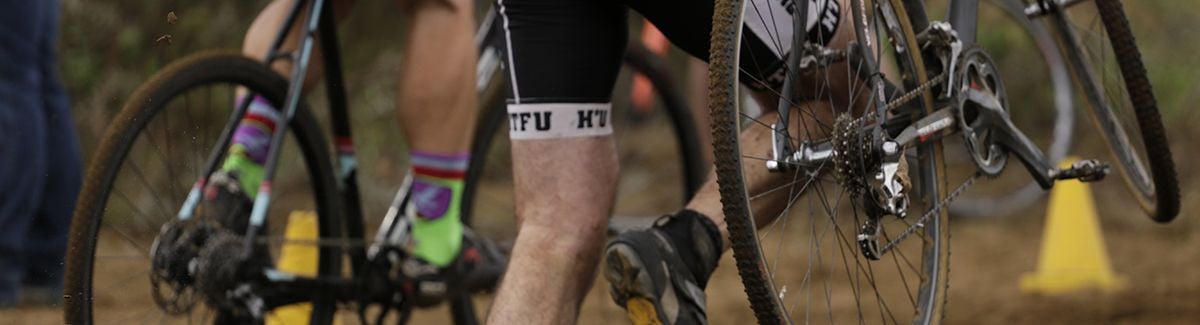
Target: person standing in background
x,y
39,155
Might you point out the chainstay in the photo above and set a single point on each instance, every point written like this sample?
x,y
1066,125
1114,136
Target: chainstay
x,y
343,243
920,223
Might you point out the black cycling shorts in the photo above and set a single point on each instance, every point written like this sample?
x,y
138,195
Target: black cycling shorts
x,y
566,54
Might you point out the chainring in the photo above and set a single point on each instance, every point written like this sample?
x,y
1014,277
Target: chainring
x,y
978,72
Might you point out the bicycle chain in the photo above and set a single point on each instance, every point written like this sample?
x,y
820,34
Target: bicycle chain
x,y
895,103
920,223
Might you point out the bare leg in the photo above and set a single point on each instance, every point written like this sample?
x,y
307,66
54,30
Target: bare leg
x,y
250,145
564,213
436,105
563,153
435,98
756,141
697,93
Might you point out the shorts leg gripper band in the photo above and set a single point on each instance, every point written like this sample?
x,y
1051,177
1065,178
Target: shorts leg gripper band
x,y
559,120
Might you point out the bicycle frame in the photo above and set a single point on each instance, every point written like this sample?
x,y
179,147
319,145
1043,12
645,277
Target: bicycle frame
x,y
295,288
962,15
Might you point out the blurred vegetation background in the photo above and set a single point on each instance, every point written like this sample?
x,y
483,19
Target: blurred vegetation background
x,y
108,48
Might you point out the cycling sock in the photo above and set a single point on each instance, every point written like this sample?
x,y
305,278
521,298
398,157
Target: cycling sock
x,y
436,194
251,142
697,241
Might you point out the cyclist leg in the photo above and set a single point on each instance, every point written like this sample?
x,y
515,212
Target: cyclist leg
x,y
679,253
563,58
241,173
679,20
436,105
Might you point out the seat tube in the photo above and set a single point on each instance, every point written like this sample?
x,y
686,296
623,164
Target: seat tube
x,y
916,15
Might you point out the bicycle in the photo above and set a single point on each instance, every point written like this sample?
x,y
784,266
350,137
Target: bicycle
x,y
134,217
875,245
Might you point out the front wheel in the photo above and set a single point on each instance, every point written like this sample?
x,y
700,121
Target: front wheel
x,y
145,165
1103,54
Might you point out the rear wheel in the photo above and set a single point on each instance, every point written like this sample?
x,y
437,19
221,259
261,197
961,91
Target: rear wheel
x,y
794,234
146,164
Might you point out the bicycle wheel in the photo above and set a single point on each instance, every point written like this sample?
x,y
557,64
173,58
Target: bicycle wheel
x,y
136,183
793,234
1101,50
1030,62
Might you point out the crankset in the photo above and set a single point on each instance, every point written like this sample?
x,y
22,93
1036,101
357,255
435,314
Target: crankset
x,y
978,110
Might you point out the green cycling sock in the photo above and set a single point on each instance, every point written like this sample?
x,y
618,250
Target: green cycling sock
x,y
436,196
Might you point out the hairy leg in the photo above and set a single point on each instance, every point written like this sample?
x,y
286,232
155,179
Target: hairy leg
x,y
563,153
564,200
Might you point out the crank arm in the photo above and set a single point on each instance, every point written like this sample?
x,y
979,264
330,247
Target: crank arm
x,y
991,117
1012,139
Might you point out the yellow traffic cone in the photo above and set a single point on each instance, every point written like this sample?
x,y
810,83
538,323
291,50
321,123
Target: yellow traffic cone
x,y
299,258
1073,256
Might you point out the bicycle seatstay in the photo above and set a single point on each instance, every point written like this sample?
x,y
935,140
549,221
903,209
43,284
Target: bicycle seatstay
x,y
258,215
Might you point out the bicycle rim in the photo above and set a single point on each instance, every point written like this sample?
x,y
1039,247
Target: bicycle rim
x,y
805,265
145,166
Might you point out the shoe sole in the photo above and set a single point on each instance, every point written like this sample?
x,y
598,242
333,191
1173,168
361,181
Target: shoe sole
x,y
630,285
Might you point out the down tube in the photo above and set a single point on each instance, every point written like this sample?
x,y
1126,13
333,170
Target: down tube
x,y
963,15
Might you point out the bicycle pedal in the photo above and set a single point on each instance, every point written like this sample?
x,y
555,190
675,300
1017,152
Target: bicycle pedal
x,y
1089,170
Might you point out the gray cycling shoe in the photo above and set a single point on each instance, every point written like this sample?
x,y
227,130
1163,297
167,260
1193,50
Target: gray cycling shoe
x,y
226,203
654,279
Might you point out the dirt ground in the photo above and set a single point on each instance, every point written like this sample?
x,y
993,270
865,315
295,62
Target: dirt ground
x,y
988,259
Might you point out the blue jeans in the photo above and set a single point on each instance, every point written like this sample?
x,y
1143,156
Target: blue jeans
x,y
39,150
